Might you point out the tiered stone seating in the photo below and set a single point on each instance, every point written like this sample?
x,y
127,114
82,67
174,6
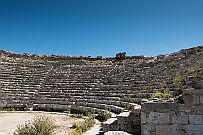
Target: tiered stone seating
x,y
83,83
20,82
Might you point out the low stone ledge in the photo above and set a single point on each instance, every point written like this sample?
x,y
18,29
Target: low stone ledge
x,y
193,91
116,133
137,108
123,118
110,125
129,122
159,106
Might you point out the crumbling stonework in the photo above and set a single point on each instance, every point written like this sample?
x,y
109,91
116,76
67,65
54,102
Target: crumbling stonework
x,y
162,118
126,121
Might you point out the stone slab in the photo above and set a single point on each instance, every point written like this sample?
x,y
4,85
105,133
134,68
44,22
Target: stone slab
x,y
191,100
183,118
167,130
158,118
196,119
116,133
143,118
201,99
159,106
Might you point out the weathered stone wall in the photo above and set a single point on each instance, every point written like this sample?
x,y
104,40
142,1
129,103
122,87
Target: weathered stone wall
x,y
125,121
169,118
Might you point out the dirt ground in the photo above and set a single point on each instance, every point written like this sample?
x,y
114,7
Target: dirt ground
x,y
10,120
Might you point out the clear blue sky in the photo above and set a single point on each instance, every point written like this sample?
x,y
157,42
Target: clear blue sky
x,y
100,27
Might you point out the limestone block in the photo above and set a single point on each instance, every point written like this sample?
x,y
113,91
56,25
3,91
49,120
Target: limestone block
x,y
143,132
125,127
201,99
167,130
196,119
183,108
188,132
183,132
193,127
197,109
198,132
158,118
2,105
123,118
174,117
183,118
191,100
148,127
193,91
159,106
111,121
116,133
143,118
110,127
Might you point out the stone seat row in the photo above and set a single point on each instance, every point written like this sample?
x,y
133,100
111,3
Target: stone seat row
x,y
109,105
114,106
111,108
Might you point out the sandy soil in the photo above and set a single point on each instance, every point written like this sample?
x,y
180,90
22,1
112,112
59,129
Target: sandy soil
x,y
10,120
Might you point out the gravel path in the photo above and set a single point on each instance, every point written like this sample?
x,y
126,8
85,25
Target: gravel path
x,y
97,129
10,120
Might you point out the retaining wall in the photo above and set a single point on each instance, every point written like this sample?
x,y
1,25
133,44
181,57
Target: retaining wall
x,y
169,118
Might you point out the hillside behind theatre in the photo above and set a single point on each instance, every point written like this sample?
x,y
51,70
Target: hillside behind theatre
x,y
54,82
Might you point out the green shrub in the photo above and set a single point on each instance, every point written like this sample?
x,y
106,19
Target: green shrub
x,y
104,116
77,116
90,121
9,109
76,132
37,126
179,83
162,95
76,125
82,127
20,108
128,107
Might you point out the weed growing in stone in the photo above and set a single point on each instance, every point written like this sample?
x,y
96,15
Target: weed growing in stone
x,y
104,116
162,95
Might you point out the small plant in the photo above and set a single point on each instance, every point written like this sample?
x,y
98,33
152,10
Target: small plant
x,y
77,116
128,107
9,109
179,83
76,125
162,95
76,132
82,127
104,116
37,126
190,70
